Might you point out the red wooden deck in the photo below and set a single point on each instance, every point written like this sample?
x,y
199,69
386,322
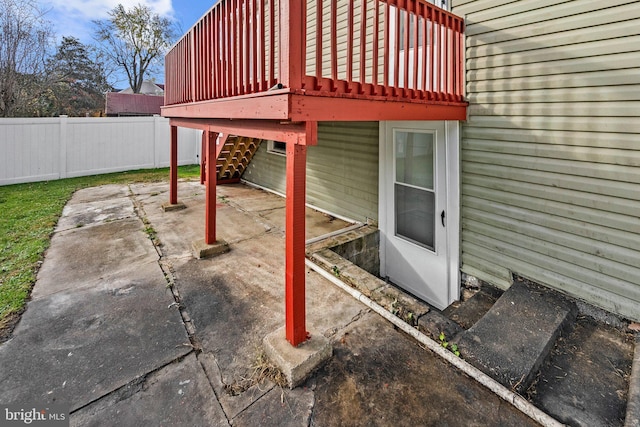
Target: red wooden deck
x,y
244,59
248,69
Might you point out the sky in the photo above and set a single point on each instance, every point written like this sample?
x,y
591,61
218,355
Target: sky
x,y
73,17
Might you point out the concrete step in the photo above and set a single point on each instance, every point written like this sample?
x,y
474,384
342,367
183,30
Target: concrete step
x,y
510,342
469,310
633,403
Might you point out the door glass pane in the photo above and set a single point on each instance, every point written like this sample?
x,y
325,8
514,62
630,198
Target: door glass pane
x,y
415,218
414,158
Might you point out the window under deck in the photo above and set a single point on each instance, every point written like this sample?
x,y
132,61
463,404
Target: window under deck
x,y
319,60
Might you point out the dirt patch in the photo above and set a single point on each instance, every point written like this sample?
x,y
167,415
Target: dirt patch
x,y
379,376
8,324
586,378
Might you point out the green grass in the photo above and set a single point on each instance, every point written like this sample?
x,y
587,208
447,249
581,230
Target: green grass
x,y
28,215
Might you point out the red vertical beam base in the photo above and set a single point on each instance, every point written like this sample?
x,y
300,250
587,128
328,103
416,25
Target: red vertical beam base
x,y
296,331
210,187
173,167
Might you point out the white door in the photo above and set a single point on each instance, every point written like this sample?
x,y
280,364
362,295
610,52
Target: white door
x,y
413,209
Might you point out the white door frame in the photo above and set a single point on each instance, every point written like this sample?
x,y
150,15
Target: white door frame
x,y
452,174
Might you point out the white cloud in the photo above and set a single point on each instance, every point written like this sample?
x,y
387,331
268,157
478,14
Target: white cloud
x,y
73,17
98,9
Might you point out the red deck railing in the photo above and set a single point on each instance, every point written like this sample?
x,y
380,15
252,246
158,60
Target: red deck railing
x,y
407,49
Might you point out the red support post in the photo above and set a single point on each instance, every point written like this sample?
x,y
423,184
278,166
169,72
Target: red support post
x,y
203,159
173,167
296,331
210,188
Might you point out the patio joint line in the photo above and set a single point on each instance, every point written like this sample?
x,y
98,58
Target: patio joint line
x,y
211,384
168,273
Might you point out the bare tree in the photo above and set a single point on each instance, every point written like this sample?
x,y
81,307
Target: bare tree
x,y
135,41
25,36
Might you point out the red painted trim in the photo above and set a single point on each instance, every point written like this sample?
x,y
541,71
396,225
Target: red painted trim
x,y
192,65
267,105
334,41
416,31
254,49
235,72
261,129
387,47
246,87
319,22
396,52
228,48
376,29
432,68
363,41
295,303
318,107
239,48
210,59
303,44
217,63
339,108
405,79
292,37
460,57
425,47
349,41
272,45
173,167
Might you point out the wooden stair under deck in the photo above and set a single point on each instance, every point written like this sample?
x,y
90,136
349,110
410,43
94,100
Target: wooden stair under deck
x,y
235,156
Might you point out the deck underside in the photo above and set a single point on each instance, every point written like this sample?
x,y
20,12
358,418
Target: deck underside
x,y
287,106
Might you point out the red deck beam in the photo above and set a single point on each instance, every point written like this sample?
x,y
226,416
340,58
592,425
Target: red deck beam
x,y
302,108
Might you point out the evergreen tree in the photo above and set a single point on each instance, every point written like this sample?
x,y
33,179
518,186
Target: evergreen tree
x,y
78,80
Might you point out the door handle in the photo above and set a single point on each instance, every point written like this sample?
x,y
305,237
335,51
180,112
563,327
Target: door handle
x,y
442,218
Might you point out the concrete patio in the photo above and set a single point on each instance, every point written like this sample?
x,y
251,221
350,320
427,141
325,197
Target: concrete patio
x,y
127,332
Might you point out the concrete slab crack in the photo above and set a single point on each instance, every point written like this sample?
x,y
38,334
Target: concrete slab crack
x,y
128,390
332,332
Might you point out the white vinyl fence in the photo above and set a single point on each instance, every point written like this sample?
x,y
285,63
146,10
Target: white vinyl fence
x,y
42,149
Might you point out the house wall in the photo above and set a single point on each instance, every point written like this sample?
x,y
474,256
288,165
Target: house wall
x,y
41,149
342,170
341,38
550,158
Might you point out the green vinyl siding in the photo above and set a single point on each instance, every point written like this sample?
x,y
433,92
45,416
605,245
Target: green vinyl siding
x,y
342,170
341,37
550,154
